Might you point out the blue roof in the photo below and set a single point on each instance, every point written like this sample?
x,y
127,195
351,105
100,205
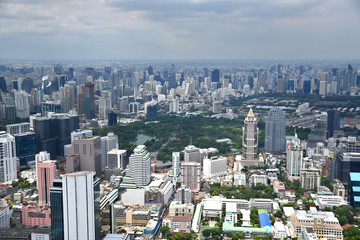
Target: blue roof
x,y
355,176
307,78
356,189
264,220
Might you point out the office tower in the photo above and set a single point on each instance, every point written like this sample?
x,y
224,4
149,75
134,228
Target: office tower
x,y
89,100
343,164
46,172
81,206
150,109
191,175
7,158
318,133
25,142
18,128
104,107
275,128
57,214
123,104
139,164
333,122
215,75
172,82
116,158
250,140
307,85
310,178
89,150
175,164
174,106
22,104
73,163
27,85
3,86
214,167
80,99
184,195
294,158
192,154
353,189
71,73
107,143
280,84
70,95
53,132
112,118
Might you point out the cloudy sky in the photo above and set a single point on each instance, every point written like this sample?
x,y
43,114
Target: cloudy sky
x,y
180,29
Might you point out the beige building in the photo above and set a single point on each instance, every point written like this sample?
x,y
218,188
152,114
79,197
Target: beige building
x,y
325,224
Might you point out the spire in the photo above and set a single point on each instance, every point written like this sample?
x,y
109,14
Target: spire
x,y
190,140
251,113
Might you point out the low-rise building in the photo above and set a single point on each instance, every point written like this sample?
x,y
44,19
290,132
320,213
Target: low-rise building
x,y
239,179
325,224
255,179
33,215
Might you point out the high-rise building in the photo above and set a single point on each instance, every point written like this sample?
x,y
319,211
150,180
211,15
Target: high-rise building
x,y
294,158
108,143
275,128
318,133
81,206
192,154
57,214
250,141
215,75
46,172
8,164
116,158
22,104
112,119
89,150
333,121
307,85
310,178
215,167
175,164
25,140
191,175
53,132
90,100
140,166
183,195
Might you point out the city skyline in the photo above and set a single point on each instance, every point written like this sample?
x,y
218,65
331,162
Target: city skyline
x,y
194,29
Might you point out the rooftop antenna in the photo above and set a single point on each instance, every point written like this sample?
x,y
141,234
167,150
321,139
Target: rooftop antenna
x,y
190,140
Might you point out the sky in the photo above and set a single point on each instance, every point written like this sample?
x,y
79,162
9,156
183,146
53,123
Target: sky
x,y
179,29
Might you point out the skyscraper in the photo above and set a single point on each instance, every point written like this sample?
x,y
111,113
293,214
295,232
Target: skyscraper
x,y
7,157
333,121
108,143
57,214
215,75
191,175
250,140
81,206
294,158
116,158
89,100
318,133
139,164
46,172
275,126
22,104
89,150
175,164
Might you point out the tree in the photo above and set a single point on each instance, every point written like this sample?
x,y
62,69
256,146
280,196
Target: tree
x,y
165,230
278,214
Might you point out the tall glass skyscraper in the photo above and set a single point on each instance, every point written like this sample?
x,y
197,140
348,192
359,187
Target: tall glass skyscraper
x,y
275,126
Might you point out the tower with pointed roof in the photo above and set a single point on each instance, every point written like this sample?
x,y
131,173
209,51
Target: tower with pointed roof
x,y
250,141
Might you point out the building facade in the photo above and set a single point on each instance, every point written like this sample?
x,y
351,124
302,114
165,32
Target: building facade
x,y
275,125
139,164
